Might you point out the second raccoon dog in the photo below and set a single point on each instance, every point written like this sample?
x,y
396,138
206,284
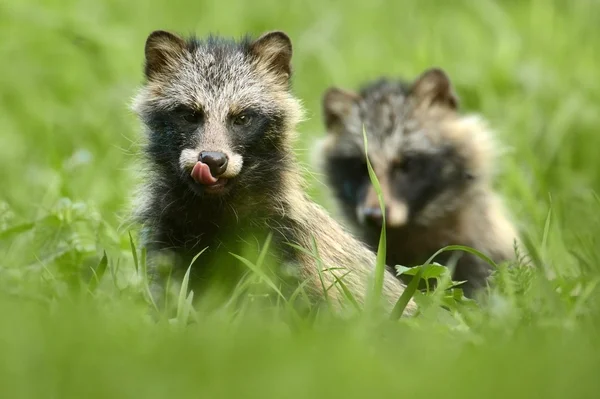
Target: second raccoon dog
x,y
220,123
435,170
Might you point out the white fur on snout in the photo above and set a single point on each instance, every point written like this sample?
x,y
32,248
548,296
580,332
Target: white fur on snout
x,y
189,157
397,214
234,166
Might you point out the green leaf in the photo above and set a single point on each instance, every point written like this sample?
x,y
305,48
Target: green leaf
x,y
433,270
400,270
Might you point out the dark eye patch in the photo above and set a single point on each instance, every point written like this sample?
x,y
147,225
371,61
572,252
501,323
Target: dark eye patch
x,y
176,122
419,178
171,132
251,124
348,176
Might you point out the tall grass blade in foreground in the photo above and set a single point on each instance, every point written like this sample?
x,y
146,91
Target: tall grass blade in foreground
x,y
374,294
184,303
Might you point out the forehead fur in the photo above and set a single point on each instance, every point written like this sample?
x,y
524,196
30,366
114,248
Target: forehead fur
x,y
395,126
220,76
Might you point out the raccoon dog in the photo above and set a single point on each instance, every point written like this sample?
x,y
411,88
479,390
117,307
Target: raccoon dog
x,y
220,121
435,170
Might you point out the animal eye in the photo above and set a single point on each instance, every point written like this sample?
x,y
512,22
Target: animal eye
x,y
189,114
242,120
406,164
193,116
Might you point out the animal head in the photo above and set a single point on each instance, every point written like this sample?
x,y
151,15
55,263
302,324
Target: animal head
x,y
218,112
428,158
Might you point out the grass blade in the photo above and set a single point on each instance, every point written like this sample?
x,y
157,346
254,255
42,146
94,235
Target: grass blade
x,y
145,278
320,271
263,252
133,252
183,293
297,291
379,272
544,245
346,291
406,295
183,296
20,228
98,273
239,289
319,268
260,273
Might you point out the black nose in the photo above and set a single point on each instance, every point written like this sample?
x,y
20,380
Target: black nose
x,y
373,216
216,161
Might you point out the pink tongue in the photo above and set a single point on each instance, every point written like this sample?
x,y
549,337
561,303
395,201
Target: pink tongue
x,y
201,173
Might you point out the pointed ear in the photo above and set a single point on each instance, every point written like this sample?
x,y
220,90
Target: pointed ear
x,y
338,105
273,50
433,87
162,49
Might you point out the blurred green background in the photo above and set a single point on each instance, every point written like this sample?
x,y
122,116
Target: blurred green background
x,y
68,142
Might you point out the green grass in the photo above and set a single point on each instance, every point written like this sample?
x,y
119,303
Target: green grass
x,y
78,324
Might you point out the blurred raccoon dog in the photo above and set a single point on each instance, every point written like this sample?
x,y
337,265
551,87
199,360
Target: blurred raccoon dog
x,y
220,171
435,170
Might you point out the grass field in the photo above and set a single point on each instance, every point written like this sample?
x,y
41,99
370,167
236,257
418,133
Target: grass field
x,y
68,143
